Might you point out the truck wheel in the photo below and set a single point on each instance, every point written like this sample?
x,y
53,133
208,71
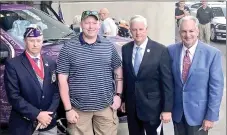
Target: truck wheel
x,y
213,36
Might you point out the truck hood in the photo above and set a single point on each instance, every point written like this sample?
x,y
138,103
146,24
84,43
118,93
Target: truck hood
x,y
53,49
220,20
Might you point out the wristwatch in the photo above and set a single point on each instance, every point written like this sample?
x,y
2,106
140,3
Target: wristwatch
x,y
119,94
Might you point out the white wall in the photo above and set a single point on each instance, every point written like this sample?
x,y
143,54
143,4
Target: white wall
x,y
160,15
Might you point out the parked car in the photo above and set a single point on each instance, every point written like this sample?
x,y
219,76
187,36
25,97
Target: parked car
x,y
14,18
193,6
218,23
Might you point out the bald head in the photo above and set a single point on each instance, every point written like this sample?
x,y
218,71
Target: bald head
x,y
104,10
103,13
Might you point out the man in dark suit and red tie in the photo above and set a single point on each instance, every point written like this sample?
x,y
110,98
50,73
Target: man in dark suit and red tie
x,y
31,88
148,82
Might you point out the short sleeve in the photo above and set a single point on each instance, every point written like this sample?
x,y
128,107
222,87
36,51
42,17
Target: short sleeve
x,y
115,60
177,12
63,61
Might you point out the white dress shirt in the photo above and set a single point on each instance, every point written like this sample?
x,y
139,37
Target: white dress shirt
x,y
191,54
142,47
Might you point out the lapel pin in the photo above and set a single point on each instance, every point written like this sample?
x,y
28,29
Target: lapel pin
x,y
148,50
46,64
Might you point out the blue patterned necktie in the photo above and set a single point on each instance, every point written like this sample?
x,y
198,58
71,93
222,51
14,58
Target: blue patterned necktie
x,y
137,60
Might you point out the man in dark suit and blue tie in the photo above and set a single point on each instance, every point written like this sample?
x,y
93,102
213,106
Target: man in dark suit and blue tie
x,y
148,83
31,88
198,81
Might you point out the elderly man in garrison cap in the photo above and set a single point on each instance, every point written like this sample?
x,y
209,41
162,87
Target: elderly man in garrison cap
x,y
32,90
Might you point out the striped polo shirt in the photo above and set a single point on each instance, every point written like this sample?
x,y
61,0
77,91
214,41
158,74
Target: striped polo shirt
x,y
90,68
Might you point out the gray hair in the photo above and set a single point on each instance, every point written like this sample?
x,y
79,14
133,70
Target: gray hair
x,y
138,18
187,18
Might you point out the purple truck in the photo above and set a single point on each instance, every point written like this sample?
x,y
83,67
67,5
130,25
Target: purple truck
x,y
14,18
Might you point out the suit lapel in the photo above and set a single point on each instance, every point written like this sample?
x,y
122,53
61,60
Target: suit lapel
x,y
130,59
195,60
178,56
28,66
46,70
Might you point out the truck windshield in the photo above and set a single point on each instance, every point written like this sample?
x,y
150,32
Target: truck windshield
x,y
14,22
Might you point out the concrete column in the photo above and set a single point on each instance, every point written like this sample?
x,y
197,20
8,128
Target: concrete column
x,y
161,22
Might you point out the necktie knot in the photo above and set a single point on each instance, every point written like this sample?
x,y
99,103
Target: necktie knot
x,y
36,60
138,48
187,52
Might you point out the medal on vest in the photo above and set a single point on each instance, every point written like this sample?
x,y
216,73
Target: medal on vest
x,y
53,77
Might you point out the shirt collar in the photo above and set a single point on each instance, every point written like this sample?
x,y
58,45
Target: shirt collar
x,y
143,45
205,7
38,56
83,42
192,49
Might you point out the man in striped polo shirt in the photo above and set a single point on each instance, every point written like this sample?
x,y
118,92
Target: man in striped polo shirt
x,y
85,67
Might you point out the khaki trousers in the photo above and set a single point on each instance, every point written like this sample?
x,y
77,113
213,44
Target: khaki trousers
x,y
103,122
204,33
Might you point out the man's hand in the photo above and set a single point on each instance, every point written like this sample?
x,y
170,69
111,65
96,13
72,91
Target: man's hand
x,y
40,126
165,117
44,118
186,13
207,125
72,116
123,107
116,102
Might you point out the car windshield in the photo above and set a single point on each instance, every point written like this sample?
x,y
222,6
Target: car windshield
x,y
14,22
218,12
224,11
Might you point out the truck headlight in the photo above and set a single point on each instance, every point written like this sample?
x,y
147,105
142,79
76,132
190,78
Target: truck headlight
x,y
220,26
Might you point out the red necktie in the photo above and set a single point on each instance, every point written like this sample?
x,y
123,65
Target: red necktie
x,y
186,65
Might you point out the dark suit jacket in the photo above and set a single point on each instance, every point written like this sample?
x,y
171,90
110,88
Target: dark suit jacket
x,y
26,95
151,91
